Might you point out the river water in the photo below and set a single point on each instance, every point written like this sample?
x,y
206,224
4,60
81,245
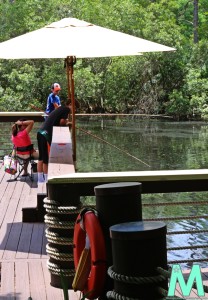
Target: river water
x,y
157,144
136,144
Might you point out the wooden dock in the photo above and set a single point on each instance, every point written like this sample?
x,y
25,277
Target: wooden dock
x,y
23,257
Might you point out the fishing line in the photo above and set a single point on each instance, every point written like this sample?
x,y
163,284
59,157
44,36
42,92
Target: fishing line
x,y
104,141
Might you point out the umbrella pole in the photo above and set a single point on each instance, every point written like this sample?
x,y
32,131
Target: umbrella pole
x,y
70,61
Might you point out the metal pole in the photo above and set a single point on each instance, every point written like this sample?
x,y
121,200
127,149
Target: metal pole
x,y
70,62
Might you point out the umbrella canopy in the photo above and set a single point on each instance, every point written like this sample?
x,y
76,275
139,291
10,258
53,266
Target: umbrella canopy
x,y
73,37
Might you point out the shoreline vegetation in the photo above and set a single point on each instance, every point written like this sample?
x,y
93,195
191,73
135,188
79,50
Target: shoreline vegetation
x,y
174,84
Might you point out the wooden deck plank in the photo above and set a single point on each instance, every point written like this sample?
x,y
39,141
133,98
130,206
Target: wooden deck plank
x,y
24,243
7,281
74,295
12,241
15,232
44,243
37,287
22,286
3,189
18,213
30,201
61,146
6,226
36,248
51,292
61,158
57,169
3,208
10,189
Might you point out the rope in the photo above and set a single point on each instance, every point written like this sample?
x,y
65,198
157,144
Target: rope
x,y
187,247
178,218
54,253
188,231
104,141
49,201
134,280
54,207
53,218
187,261
56,270
175,203
56,223
60,210
163,272
142,280
116,296
55,238
137,280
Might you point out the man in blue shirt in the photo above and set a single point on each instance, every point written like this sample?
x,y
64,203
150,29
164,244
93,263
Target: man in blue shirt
x,y
53,100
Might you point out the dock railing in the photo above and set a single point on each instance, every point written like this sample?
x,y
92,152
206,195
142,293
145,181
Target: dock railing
x,y
76,185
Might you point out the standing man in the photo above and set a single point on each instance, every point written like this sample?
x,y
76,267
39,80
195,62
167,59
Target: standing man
x,y
53,100
58,117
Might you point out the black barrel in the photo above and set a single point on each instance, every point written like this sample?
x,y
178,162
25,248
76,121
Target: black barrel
x,y
62,207
117,203
138,248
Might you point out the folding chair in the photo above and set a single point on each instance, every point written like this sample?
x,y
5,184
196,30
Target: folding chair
x,y
22,162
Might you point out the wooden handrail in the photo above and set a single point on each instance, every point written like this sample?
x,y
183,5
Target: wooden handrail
x,y
61,156
152,181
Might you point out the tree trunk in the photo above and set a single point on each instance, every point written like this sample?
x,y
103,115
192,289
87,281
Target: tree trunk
x,y
196,21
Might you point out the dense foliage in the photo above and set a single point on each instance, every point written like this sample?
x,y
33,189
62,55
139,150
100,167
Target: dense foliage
x,y
173,83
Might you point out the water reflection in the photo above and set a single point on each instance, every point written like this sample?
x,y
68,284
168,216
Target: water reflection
x,y
164,145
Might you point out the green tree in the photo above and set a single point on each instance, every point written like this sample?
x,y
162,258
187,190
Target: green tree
x,y
151,83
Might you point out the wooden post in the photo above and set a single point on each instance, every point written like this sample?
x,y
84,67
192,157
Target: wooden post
x,y
138,249
70,62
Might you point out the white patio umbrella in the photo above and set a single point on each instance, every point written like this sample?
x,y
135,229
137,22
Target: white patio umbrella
x,y
71,38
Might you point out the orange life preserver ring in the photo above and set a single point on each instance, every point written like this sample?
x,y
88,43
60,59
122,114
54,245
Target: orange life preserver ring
x,y
87,223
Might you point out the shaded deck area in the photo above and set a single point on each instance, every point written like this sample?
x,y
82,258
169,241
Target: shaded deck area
x,y
23,255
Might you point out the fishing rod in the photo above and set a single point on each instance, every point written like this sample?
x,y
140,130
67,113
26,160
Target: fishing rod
x,y
35,107
114,146
104,141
